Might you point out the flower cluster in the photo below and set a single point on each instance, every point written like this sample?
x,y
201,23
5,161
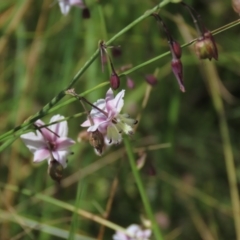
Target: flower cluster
x,y
135,231
106,118
105,125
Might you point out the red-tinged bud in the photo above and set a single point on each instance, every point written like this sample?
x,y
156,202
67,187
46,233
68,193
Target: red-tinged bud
x,y
205,47
236,6
116,52
151,170
176,49
151,79
97,141
114,81
178,72
86,13
130,83
55,170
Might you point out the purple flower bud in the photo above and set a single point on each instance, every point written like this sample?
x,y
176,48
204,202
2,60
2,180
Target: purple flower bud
x,y
178,72
86,13
114,81
130,83
176,49
205,47
55,170
151,170
97,141
151,79
116,52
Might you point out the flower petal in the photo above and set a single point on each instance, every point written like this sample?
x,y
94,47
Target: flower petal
x,y
78,3
118,100
41,155
60,129
64,6
109,95
61,157
120,236
113,134
101,104
92,128
86,124
114,106
33,141
133,228
64,143
44,132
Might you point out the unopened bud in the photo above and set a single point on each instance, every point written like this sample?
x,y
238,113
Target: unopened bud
x,y
178,72
55,170
176,48
141,160
130,83
236,6
205,47
114,81
86,13
150,168
151,79
97,141
116,52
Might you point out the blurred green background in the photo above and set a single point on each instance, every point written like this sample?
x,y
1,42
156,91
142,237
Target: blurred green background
x,y
40,52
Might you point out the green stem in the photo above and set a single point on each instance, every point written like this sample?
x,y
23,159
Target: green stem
x,y
67,206
212,81
142,192
145,15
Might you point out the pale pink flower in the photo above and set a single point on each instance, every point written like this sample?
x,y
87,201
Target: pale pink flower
x,y
49,143
65,5
109,121
135,231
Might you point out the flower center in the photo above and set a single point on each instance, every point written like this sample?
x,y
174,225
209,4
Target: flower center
x,y
52,146
114,121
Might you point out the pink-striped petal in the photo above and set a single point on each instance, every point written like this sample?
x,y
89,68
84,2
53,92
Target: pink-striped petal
x,y
64,143
32,141
60,129
86,124
41,155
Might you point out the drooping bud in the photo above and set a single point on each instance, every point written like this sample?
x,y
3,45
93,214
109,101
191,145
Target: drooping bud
x,y
236,6
205,47
97,141
55,170
178,72
176,49
151,79
86,13
114,81
141,160
130,83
